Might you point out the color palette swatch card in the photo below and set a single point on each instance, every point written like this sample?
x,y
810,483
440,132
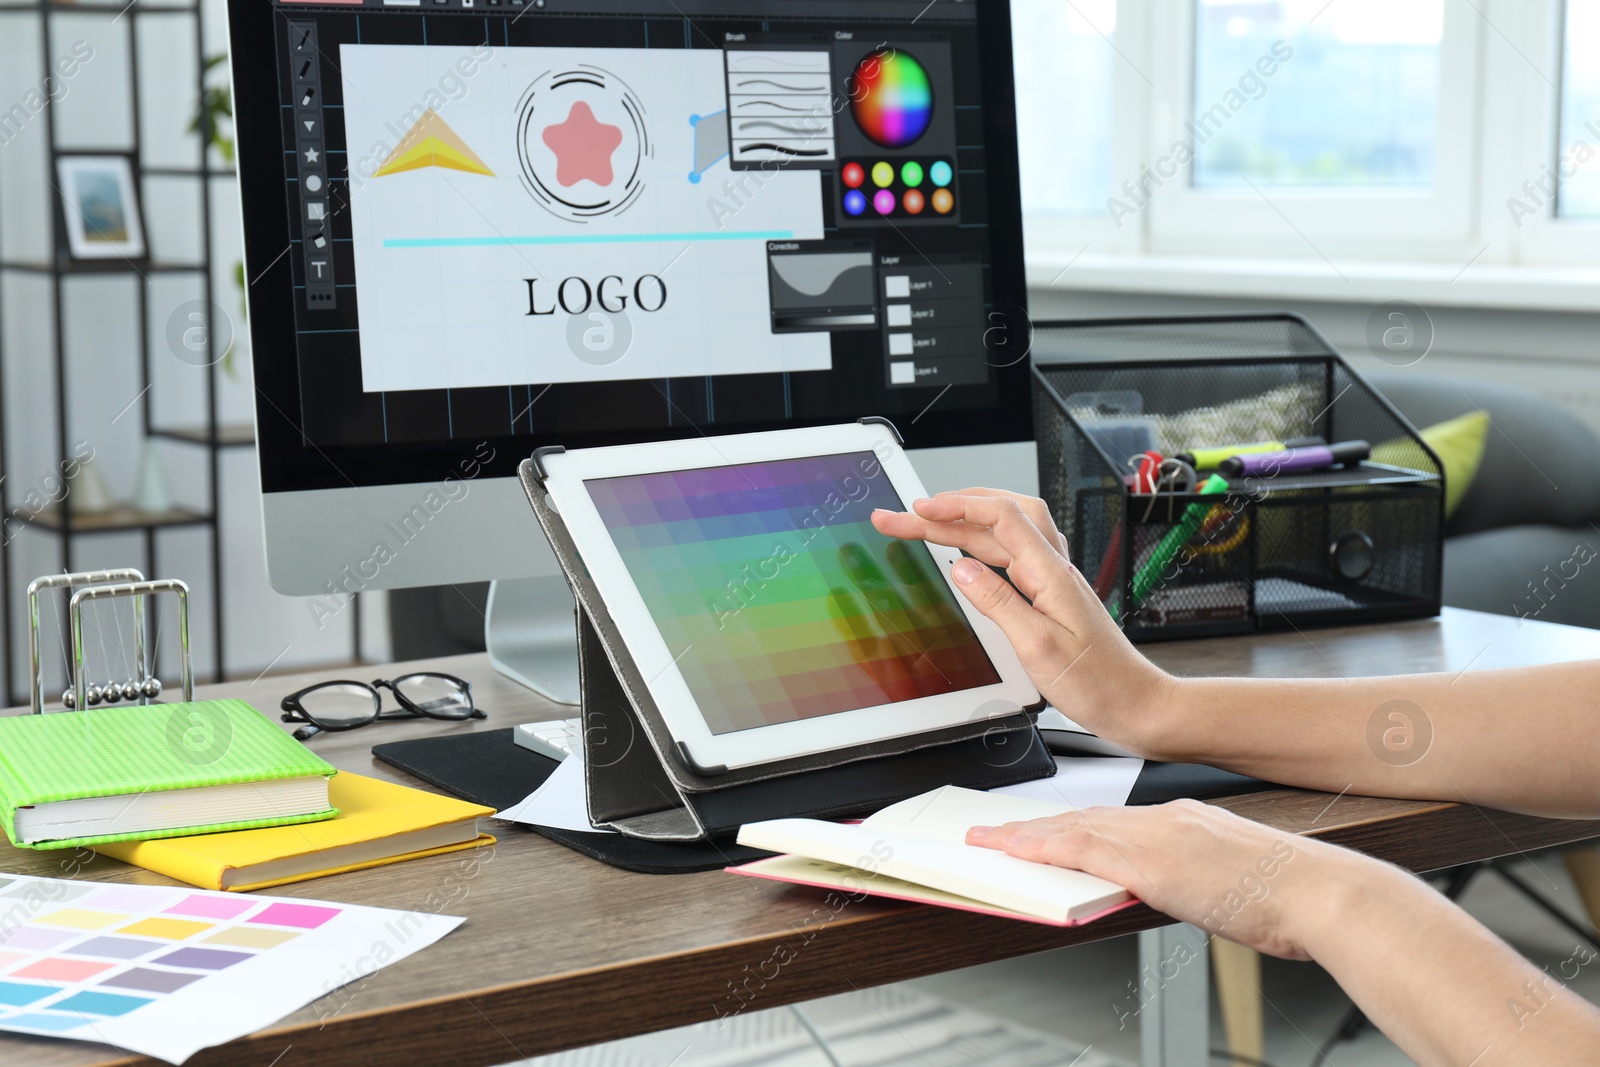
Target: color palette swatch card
x,y
169,971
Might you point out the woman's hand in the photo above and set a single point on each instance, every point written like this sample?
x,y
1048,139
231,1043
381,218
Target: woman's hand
x,y
1068,644
1229,876
1445,989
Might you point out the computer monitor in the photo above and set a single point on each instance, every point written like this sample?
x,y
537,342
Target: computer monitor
x,y
475,227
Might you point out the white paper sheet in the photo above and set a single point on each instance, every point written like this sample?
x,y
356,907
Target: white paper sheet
x,y
561,803
1091,782
169,971
1083,782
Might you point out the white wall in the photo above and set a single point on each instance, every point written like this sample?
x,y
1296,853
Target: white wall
x,y
93,111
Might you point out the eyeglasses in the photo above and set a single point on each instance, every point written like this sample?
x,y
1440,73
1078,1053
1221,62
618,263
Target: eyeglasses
x,y
346,705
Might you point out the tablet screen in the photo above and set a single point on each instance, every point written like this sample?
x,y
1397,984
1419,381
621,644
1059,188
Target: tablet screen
x,y
779,599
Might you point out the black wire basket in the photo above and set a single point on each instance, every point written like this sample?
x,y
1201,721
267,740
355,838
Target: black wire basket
x,y
1272,549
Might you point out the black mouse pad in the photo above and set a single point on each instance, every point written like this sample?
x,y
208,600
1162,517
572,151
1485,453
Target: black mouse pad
x,y
1160,782
491,769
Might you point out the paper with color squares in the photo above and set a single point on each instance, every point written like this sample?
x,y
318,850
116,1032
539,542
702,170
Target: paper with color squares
x,y
168,972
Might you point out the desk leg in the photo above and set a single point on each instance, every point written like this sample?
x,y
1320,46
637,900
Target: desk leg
x,y
1239,992
1175,1015
1583,864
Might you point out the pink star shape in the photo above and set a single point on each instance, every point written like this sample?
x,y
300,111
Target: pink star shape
x,y
583,146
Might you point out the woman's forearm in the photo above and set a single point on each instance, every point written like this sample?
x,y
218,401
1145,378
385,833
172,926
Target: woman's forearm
x,y
1524,740
1445,989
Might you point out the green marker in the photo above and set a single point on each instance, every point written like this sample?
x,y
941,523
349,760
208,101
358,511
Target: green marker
x,y
1194,516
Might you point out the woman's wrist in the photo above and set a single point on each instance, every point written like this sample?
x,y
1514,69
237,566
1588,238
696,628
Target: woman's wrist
x,y
1333,891
1165,718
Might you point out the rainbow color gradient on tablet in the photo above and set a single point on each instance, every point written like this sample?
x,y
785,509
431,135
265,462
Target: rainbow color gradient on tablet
x,y
777,595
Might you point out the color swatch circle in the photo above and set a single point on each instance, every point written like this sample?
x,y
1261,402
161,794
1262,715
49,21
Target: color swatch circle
x,y
943,202
855,202
892,99
884,201
882,175
853,175
911,173
941,174
915,201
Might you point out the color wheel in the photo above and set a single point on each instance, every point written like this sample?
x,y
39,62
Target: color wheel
x,y
893,98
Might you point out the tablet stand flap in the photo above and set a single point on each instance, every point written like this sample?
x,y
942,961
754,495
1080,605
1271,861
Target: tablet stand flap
x,y
623,774
640,785
858,789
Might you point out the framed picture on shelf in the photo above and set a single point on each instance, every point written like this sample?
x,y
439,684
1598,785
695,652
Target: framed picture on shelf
x,y
100,206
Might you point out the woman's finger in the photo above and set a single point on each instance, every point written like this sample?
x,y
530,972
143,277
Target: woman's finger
x,y
1033,563
1037,510
995,598
976,540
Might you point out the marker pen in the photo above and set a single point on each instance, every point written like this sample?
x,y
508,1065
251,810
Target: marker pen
x,y
1194,516
1209,459
1295,460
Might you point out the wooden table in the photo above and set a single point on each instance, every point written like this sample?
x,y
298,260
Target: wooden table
x,y
561,951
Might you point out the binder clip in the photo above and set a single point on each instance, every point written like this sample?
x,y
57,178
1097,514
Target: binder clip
x,y
86,586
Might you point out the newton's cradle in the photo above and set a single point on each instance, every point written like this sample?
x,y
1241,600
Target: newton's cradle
x,y
88,587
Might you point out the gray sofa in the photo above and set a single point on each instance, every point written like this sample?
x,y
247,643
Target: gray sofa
x,y
1526,539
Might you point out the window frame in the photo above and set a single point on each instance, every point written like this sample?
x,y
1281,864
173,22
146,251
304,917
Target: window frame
x,y
1541,238
1318,221
1499,60
1066,232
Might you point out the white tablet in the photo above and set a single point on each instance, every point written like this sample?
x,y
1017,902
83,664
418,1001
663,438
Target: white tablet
x,y
766,614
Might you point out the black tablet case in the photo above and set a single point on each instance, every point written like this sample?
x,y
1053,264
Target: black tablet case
x,y
641,783
491,769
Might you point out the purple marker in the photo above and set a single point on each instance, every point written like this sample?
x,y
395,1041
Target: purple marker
x,y
1295,460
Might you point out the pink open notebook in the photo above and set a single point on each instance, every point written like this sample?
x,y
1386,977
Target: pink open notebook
x,y
916,850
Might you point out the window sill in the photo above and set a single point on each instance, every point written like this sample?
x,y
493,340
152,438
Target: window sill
x,y
1567,289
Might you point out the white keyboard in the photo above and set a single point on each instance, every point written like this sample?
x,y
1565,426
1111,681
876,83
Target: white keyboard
x,y
555,738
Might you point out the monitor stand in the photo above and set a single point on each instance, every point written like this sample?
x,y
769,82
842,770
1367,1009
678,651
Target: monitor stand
x,y
531,632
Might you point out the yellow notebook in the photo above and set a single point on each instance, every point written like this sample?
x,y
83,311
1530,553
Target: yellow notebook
x,y
378,822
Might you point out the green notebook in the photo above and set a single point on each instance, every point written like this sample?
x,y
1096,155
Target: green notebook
x,y
80,778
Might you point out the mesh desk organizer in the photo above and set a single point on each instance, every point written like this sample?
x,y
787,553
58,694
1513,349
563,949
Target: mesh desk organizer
x,y
642,784
1338,546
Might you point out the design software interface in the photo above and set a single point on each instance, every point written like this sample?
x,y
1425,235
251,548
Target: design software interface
x,y
545,217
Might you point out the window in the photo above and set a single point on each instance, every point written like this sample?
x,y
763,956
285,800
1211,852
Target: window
x,y
1464,134
1579,195
1357,106
1065,73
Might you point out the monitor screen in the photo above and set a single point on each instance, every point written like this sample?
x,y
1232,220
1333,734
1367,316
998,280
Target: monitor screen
x,y
780,599
594,222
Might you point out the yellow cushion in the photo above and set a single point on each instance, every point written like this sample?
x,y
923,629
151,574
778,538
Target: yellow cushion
x,y
1459,444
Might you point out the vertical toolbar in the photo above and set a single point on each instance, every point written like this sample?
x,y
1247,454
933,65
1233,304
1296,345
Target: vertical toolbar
x,y
310,167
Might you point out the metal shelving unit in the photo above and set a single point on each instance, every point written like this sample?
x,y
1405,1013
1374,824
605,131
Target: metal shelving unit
x,y
61,522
